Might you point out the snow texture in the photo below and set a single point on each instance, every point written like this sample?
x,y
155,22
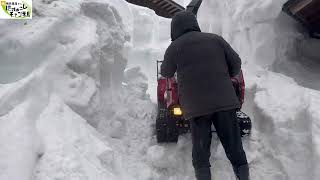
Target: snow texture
x,y
78,92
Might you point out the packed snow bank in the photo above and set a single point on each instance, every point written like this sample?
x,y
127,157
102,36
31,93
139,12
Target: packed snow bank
x,y
303,61
81,113
150,37
284,144
20,143
57,121
283,122
72,148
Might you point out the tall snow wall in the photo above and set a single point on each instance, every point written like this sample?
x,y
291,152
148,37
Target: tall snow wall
x,y
281,66
279,72
65,92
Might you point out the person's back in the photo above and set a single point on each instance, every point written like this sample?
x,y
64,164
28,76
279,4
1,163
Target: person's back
x,y
204,64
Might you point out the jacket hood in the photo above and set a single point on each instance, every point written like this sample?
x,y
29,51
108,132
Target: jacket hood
x,y
182,23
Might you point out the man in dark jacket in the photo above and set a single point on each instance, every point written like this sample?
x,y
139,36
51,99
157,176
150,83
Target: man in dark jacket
x,y
204,63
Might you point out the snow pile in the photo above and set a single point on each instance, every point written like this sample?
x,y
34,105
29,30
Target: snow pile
x,y
150,36
80,108
57,121
285,142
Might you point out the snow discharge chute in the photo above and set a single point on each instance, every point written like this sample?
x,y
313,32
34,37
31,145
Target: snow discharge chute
x,y
164,8
167,8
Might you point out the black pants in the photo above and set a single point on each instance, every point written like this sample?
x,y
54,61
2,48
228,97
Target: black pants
x,y
227,128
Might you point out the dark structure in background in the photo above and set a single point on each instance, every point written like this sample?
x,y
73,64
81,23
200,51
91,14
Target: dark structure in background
x,y
164,8
306,12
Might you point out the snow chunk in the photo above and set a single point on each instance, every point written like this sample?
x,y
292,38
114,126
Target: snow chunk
x,y
20,143
72,148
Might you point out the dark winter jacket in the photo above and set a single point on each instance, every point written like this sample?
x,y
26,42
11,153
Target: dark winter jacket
x,y
204,63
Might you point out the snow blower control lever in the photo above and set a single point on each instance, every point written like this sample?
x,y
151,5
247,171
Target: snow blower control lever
x,y
170,122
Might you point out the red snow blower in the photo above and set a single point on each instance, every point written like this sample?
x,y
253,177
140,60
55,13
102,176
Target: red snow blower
x,y
170,122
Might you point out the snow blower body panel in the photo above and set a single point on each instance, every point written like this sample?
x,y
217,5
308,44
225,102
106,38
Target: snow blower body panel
x,y
170,122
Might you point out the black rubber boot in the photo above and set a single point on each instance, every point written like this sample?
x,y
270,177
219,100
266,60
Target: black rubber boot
x,y
242,172
203,174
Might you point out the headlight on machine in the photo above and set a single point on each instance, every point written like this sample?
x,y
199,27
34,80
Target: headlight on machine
x,y
177,111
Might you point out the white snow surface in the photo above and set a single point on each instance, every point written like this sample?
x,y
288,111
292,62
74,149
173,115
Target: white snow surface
x,y
77,99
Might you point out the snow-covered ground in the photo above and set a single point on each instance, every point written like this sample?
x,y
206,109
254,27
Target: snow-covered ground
x,y
77,99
